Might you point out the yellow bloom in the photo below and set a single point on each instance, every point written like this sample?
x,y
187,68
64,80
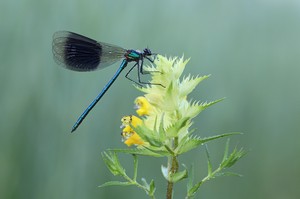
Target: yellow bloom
x,y
131,119
143,106
134,139
129,136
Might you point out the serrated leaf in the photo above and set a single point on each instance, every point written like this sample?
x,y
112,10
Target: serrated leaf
x,y
233,158
188,84
197,107
115,183
205,105
195,141
148,135
173,130
112,162
192,109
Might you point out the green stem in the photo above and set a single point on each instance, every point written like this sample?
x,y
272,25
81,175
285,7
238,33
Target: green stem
x,y
172,168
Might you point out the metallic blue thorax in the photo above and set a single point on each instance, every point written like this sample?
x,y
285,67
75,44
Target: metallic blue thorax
x,y
133,55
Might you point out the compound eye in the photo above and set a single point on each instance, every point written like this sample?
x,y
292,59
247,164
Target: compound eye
x,y
147,51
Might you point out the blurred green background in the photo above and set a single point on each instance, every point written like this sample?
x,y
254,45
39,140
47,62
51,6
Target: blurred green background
x,y
251,48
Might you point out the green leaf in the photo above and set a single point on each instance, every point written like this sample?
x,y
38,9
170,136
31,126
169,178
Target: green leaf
x,y
174,129
145,151
152,188
161,130
197,107
226,150
175,177
191,178
209,165
233,158
149,188
112,162
148,135
193,142
159,150
189,83
169,90
227,174
194,189
205,105
115,183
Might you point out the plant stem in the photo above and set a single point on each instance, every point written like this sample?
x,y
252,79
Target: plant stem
x,y
172,168
170,190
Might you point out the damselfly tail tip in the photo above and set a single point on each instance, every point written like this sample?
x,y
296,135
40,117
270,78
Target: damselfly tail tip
x,y
73,129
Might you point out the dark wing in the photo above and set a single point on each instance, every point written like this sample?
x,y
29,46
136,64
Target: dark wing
x,y
80,53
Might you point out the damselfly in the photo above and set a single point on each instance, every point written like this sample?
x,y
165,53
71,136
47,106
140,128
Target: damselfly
x,y
80,53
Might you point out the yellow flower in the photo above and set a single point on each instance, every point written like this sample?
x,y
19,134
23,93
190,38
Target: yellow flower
x,y
129,136
134,139
142,106
131,119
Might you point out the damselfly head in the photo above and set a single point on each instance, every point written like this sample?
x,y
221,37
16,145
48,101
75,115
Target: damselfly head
x,y
147,52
